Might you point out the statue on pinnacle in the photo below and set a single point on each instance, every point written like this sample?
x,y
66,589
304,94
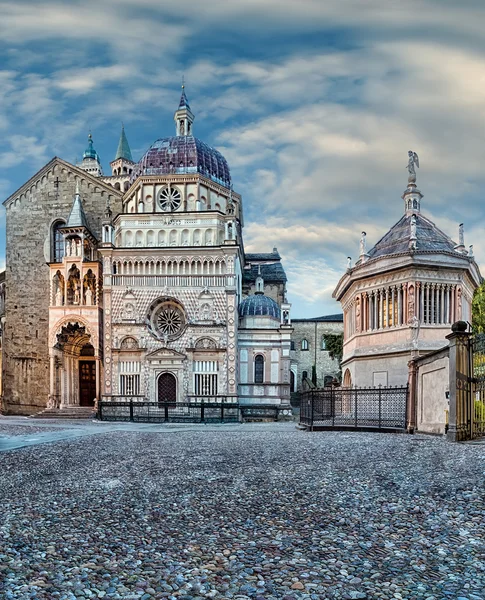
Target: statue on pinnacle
x,y
413,160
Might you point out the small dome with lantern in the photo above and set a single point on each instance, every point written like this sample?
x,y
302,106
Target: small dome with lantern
x,y
183,153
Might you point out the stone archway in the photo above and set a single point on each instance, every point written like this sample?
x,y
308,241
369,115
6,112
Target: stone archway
x,y
74,367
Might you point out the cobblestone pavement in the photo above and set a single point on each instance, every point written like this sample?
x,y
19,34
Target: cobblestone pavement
x,y
258,512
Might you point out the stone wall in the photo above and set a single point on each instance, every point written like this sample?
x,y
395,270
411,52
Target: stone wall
x,y
432,385
303,360
30,214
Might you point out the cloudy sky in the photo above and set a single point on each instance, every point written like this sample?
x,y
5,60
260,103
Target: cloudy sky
x,y
314,103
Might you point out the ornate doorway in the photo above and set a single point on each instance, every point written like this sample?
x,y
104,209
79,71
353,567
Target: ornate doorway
x,y
167,388
87,382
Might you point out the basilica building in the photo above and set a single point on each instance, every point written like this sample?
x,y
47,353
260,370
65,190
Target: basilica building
x,y
136,284
401,297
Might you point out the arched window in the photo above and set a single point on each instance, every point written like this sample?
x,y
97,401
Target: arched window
x,y
304,344
57,242
304,375
259,369
324,344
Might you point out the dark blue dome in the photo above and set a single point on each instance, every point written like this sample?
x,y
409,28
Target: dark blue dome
x,y
259,305
183,154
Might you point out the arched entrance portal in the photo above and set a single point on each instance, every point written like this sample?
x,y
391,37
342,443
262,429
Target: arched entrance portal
x,y
167,388
74,368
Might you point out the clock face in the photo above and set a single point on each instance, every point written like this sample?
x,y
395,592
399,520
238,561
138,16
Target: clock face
x,y
169,199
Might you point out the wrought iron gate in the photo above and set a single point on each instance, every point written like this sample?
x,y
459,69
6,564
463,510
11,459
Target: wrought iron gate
x,y
354,408
477,387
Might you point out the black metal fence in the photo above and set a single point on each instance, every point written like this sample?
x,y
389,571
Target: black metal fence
x,y
354,408
197,410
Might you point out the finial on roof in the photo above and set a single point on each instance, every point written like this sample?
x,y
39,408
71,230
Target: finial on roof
x,y
413,160
470,251
349,262
259,282
362,243
460,247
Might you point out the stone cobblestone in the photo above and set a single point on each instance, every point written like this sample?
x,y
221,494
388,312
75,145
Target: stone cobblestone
x,y
243,514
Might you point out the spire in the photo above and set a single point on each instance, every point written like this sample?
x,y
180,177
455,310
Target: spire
x,y
183,116
123,150
77,216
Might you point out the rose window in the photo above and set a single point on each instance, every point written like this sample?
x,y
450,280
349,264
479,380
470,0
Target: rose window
x,y
169,199
166,319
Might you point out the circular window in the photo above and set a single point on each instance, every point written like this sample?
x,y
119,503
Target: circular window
x,y
169,199
166,319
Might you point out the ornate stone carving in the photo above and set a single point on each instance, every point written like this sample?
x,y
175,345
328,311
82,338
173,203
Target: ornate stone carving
x,y
205,344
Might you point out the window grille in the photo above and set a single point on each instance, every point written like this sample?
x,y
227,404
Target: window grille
x,y
259,369
304,344
129,378
205,377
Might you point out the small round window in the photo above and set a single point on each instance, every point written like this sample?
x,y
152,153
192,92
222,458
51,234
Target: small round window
x,y
169,199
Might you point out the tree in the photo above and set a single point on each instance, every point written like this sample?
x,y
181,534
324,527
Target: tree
x,y
478,309
334,343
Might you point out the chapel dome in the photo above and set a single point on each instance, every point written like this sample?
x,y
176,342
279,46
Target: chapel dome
x,y
259,305
183,154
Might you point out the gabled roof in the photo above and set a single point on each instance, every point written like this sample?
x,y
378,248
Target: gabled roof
x,y
123,150
397,239
76,170
273,273
262,256
338,318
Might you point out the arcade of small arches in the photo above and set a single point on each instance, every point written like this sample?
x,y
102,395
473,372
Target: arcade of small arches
x,y
173,238
401,304
172,266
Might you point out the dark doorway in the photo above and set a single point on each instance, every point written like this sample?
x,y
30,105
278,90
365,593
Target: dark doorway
x,y
167,389
87,382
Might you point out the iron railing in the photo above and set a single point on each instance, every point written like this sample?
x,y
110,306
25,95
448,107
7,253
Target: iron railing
x,y
354,408
216,409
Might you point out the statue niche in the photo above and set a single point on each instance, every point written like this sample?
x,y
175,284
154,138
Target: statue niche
x,y
58,289
89,287
74,286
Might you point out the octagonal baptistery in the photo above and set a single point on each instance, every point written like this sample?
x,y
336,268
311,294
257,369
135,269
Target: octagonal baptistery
x,y
401,297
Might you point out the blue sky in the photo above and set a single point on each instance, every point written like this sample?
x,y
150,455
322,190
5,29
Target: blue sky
x,y
314,103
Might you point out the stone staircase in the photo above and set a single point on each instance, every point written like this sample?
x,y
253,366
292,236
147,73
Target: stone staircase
x,y
70,412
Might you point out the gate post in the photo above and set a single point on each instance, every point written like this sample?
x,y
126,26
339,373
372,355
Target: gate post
x,y
166,410
131,409
460,416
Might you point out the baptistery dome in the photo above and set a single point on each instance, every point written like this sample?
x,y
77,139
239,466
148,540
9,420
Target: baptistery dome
x,y
183,154
259,305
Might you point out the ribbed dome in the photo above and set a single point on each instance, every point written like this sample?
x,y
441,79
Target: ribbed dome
x,y
183,154
259,305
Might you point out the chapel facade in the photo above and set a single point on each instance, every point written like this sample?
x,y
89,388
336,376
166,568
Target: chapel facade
x,y
400,298
136,284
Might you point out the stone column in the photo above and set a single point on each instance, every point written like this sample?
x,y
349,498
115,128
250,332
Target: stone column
x,y
376,319
399,304
428,304
421,303
413,391
393,290
442,304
